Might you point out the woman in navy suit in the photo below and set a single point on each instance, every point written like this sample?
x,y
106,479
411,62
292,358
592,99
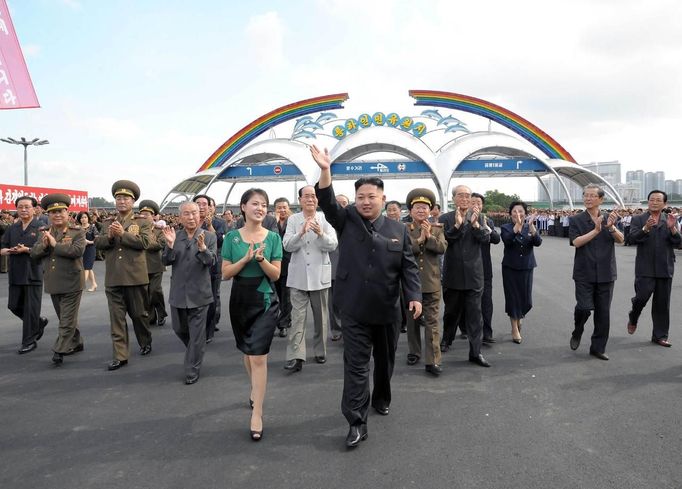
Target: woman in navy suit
x,y
519,238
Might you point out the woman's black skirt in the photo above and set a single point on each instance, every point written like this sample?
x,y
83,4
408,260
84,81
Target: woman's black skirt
x,y
253,325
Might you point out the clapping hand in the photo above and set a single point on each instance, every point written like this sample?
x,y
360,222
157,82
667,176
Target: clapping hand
x,y
612,219
315,227
651,222
321,157
169,234
426,231
258,253
116,229
48,239
201,242
671,222
597,222
459,218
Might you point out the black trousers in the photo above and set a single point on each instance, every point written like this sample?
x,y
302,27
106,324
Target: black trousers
x,y
593,297
467,302
487,308
334,313
24,301
213,313
284,319
360,341
660,306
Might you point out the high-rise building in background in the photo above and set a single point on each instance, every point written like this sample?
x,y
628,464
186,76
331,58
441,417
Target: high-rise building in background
x,y
635,178
669,187
678,187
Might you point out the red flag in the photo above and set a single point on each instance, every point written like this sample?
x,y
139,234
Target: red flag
x,y
16,89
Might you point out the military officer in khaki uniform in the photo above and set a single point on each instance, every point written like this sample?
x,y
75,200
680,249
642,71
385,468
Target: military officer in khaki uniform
x,y
124,240
428,244
156,304
61,248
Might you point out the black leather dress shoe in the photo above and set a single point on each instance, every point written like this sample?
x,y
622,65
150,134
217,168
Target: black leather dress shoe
x,y
434,369
295,365
336,337
209,341
662,342
444,347
146,350
161,321
57,359
192,379
216,328
479,360
412,359
116,364
28,348
403,329
489,340
282,332
43,322
600,356
383,410
321,359
356,434
464,336
575,342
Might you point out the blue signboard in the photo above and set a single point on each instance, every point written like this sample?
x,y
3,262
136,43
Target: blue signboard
x,y
501,165
261,171
379,167
393,168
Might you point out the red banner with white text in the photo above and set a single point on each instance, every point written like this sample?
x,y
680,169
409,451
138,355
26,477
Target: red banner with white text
x,y
9,193
16,88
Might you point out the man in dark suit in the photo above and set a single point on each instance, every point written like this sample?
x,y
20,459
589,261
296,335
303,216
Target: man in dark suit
x,y
25,276
487,297
375,258
192,252
594,269
465,232
282,213
656,235
215,225
61,247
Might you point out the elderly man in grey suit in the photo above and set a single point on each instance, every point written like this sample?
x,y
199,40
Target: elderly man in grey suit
x,y
309,238
191,251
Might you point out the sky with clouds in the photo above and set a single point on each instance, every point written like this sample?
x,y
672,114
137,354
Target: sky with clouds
x,y
147,90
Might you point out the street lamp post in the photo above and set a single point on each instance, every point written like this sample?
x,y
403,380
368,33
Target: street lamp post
x,y
25,144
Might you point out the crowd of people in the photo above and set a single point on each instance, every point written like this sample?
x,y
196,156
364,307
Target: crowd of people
x,y
365,272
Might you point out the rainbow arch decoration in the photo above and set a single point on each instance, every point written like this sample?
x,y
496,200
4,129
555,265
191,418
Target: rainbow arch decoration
x,y
286,113
507,118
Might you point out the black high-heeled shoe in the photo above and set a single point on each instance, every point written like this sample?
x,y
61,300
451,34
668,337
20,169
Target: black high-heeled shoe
x,y
256,435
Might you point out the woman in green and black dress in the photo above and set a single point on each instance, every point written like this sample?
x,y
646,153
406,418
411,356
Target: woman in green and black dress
x,y
252,255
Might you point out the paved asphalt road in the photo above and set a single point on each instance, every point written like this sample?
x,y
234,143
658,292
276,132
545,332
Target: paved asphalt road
x,y
542,417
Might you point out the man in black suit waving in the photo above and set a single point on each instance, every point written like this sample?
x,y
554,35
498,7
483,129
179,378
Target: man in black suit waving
x,y
375,259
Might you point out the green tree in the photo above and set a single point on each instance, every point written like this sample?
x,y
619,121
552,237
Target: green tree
x,y
100,202
498,201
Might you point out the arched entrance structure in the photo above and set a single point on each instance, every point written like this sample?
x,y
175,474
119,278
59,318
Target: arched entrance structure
x,y
429,145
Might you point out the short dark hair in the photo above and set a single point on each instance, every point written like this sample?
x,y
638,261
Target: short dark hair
x,y
279,200
594,186
665,196
33,200
376,181
475,194
436,206
392,202
518,202
204,196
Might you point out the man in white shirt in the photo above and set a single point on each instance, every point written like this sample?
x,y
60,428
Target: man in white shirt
x,y
309,238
